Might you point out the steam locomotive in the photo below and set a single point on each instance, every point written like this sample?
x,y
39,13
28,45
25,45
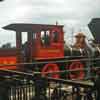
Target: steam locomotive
x,y
45,51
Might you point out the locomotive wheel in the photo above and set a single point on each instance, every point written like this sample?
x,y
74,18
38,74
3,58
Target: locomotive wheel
x,y
50,68
76,74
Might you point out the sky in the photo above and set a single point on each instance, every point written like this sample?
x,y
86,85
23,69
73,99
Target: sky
x,y
73,14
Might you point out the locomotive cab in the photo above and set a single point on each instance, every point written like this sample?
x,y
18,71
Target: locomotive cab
x,y
43,41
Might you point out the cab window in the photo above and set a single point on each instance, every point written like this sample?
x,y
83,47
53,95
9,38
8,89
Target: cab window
x,y
45,38
55,36
24,37
34,36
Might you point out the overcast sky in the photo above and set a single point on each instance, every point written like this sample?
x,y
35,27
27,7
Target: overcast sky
x,y
74,14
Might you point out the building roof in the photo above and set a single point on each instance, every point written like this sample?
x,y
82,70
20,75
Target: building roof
x,y
94,26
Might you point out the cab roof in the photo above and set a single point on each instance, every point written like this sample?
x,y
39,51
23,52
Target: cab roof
x,y
23,27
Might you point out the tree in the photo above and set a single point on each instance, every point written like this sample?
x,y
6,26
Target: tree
x,y
7,45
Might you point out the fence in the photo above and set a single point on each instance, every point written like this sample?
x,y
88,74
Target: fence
x,y
41,88
15,85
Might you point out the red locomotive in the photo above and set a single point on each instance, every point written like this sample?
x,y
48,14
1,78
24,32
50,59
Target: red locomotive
x,y
45,43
